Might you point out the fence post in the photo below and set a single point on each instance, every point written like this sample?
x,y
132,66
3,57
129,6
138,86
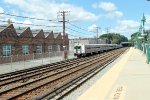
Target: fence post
x,y
49,57
24,62
148,53
54,54
33,59
54,57
42,58
17,58
62,55
11,62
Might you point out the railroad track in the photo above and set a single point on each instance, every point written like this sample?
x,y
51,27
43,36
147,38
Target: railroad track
x,y
51,81
21,78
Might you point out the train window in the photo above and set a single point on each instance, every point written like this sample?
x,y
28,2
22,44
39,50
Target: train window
x,y
77,47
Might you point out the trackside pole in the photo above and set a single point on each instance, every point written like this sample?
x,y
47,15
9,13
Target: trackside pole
x,y
148,53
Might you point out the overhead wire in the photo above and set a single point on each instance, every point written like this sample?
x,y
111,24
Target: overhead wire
x,y
29,24
76,31
26,17
42,19
72,35
44,25
80,27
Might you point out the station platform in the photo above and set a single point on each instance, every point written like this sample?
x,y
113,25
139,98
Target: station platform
x,y
128,79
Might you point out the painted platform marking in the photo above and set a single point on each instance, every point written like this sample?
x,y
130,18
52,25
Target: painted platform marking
x,y
118,92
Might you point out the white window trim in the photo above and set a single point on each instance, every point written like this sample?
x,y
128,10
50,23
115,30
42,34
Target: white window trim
x,y
25,49
50,47
6,54
39,48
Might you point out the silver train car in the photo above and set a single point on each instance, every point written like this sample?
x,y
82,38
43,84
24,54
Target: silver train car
x,y
90,49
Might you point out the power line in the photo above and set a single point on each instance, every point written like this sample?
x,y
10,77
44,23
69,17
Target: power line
x,y
73,35
26,17
41,19
44,20
80,28
29,24
76,26
75,30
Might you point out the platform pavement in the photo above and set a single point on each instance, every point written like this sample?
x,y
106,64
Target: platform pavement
x,y
10,67
128,79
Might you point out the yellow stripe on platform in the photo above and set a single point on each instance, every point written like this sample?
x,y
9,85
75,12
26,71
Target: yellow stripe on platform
x,y
102,87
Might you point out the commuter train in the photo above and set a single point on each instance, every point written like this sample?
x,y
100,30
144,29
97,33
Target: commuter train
x,y
90,49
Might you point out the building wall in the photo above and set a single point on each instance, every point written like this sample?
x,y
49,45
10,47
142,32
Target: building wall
x,y
49,40
58,41
8,35
25,38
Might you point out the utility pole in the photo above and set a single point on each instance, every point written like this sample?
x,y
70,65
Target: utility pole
x,y
108,34
63,14
97,30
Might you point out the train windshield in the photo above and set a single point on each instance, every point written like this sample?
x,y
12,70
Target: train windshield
x,y
77,47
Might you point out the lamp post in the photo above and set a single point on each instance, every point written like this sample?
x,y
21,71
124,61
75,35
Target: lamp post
x,y
138,41
142,42
141,35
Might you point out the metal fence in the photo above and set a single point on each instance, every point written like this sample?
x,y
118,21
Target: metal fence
x,y
17,62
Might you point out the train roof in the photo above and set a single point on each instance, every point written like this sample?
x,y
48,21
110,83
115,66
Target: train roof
x,y
95,44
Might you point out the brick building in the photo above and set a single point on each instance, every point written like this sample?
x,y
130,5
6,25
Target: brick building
x,y
24,41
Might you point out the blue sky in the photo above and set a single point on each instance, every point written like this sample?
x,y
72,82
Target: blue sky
x,y
120,16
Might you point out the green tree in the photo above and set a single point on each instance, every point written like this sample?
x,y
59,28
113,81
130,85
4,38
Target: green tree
x,y
114,38
134,36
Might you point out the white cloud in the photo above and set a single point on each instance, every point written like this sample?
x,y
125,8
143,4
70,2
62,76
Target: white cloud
x,y
49,9
92,27
126,27
111,10
107,6
114,15
1,10
18,21
147,24
129,23
27,22
16,2
118,13
1,15
78,13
